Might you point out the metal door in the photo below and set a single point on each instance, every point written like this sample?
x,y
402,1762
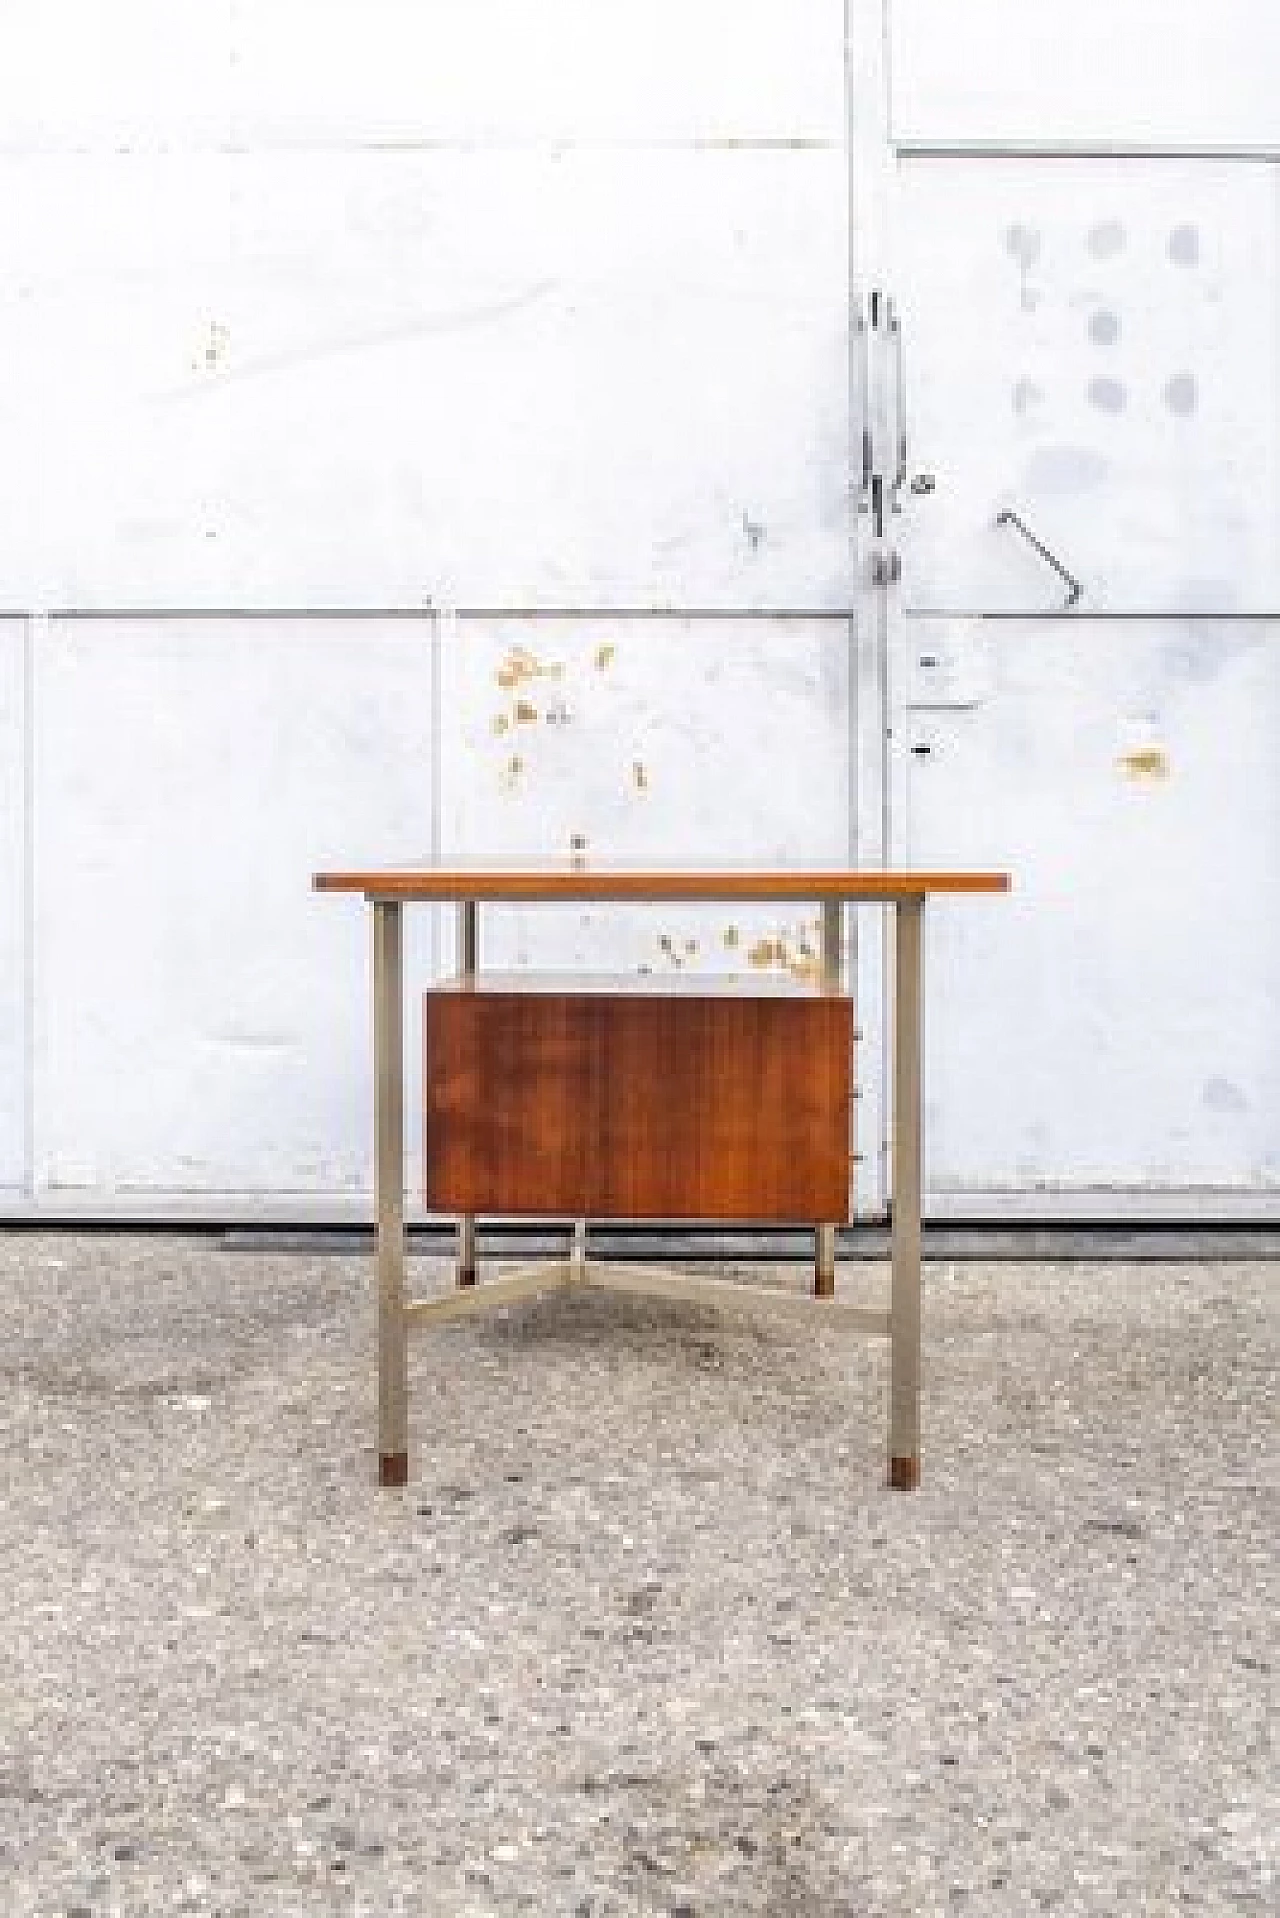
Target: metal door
x,y
1085,630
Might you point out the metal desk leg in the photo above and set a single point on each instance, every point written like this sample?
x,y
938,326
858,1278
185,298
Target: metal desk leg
x,y
388,1051
904,1305
824,1271
468,953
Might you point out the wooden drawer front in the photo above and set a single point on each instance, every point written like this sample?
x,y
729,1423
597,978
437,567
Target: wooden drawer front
x,y
625,1105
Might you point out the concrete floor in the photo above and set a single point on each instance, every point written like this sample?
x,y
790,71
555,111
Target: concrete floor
x,y
646,1633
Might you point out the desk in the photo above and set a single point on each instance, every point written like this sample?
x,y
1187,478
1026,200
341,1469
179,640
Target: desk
x,y
468,887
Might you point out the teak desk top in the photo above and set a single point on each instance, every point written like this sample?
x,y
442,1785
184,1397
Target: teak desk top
x,y
548,881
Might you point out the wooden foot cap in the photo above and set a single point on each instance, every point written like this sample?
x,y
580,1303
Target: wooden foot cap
x,y
393,1468
824,1285
904,1474
466,1275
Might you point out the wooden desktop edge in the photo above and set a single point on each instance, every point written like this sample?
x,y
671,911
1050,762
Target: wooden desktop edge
x,y
443,885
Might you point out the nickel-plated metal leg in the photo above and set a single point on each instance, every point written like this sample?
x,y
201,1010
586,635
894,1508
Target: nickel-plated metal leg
x,y
904,1305
388,1050
824,1271
468,955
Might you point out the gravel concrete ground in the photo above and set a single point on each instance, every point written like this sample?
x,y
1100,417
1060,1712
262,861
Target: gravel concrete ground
x,y
646,1633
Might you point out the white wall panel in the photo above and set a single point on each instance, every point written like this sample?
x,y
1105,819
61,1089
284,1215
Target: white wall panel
x,y
13,830
369,379
653,741
1094,345
558,70
202,1016
1057,72
1117,1019
322,72
76,73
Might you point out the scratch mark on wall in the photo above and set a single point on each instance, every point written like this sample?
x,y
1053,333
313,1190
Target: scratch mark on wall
x,y
509,778
420,326
640,776
605,656
732,938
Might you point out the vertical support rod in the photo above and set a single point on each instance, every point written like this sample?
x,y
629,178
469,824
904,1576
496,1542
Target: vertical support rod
x,y
388,1055
468,958
904,1304
824,1271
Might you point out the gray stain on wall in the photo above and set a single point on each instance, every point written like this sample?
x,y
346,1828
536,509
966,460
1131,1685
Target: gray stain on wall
x,y
1109,396
1023,243
1221,1095
1106,239
1180,394
1104,328
1065,469
1184,246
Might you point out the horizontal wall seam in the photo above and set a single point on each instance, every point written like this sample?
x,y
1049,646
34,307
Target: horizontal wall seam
x,y
428,611
1079,150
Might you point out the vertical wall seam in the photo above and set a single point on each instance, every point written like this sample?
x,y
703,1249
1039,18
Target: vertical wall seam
x,y
437,773
850,915
29,628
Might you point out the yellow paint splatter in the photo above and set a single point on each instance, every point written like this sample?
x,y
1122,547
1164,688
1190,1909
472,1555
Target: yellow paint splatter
x,y
520,667
526,715
605,656
500,724
792,954
767,952
732,938
1149,762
